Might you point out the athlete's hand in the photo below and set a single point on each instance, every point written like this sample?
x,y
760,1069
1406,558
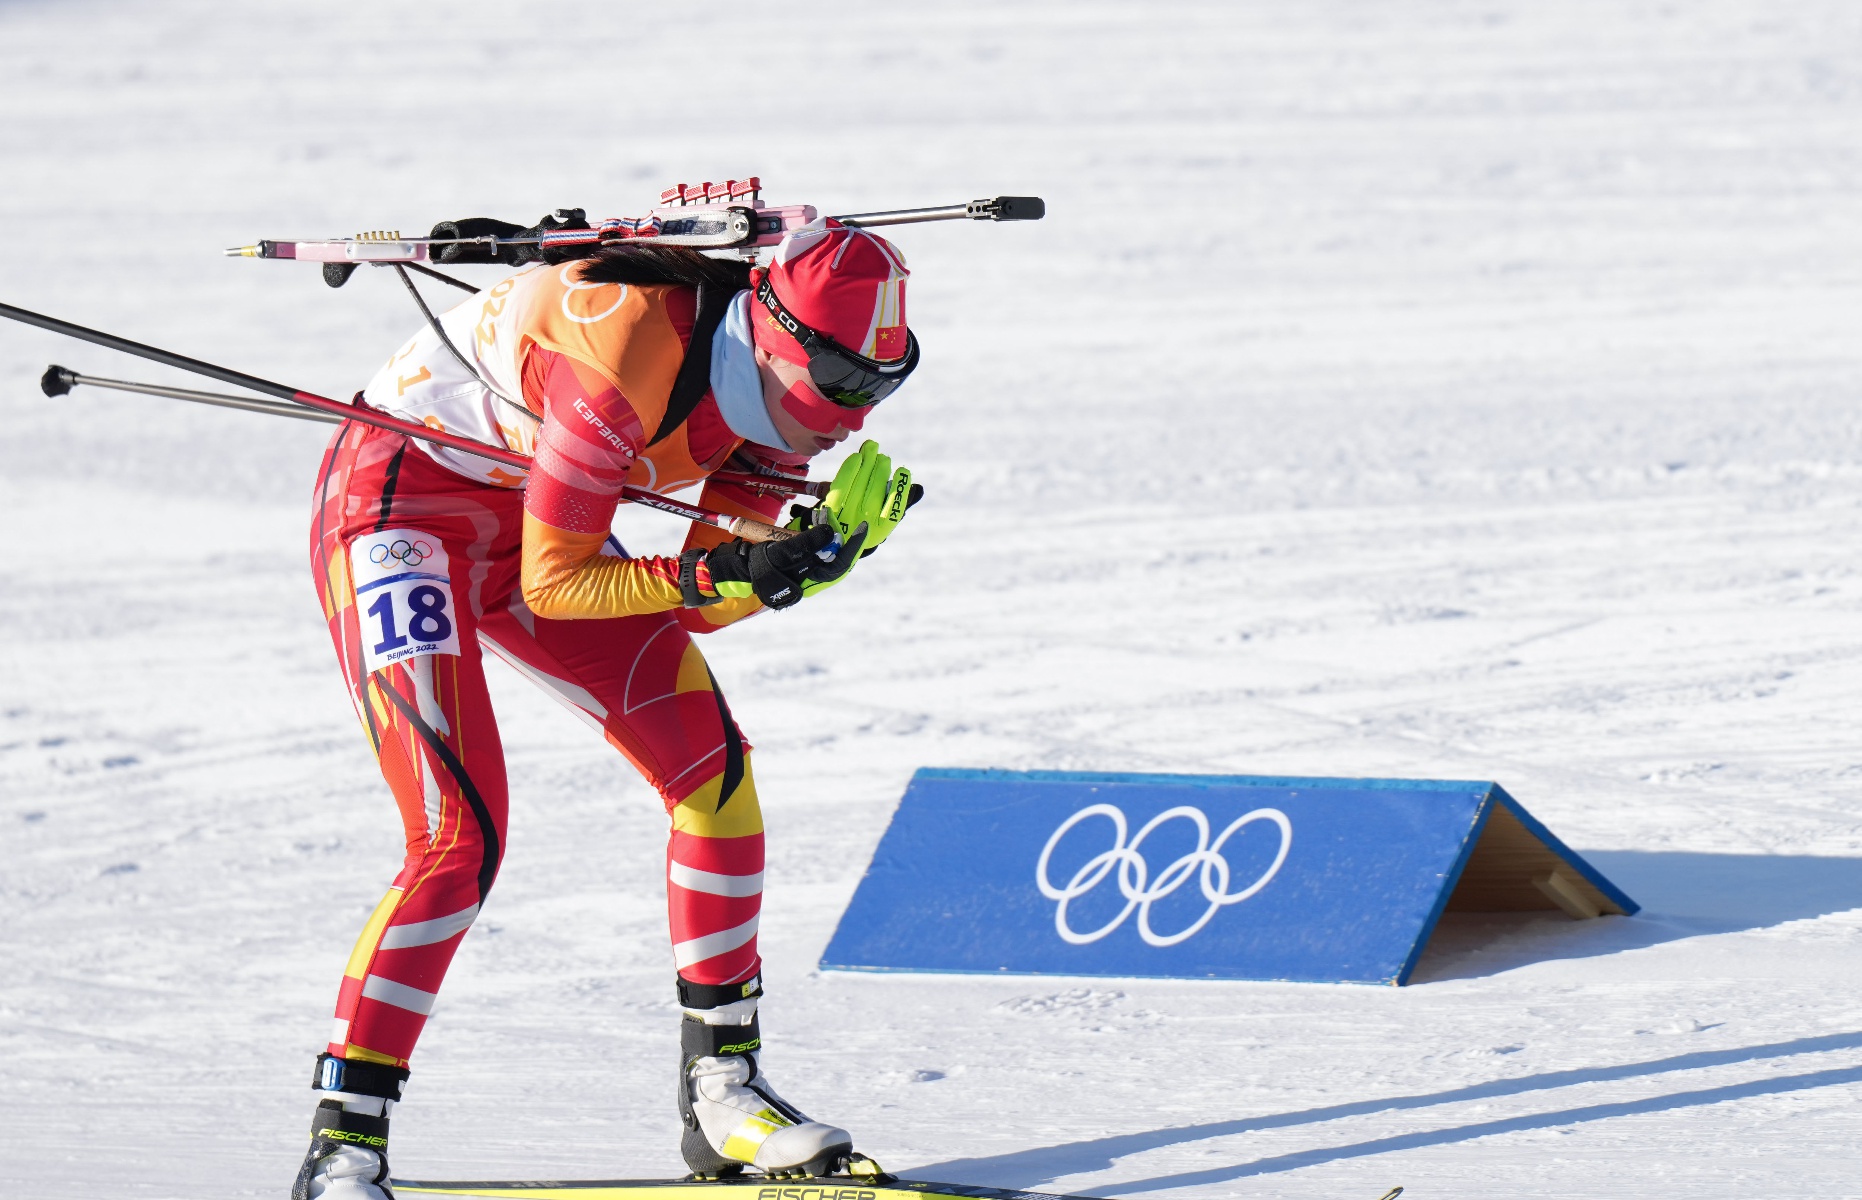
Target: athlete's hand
x,y
781,573
866,490
866,494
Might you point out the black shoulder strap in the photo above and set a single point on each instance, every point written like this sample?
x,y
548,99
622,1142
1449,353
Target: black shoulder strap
x,y
695,368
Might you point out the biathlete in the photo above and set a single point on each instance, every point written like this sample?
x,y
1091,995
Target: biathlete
x,y
426,558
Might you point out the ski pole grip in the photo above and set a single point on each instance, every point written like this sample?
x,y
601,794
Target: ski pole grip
x,y
752,530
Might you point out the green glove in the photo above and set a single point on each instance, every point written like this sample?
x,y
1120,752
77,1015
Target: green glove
x,y
866,494
867,489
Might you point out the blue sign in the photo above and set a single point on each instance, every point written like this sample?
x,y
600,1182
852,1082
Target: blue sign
x,y
1190,876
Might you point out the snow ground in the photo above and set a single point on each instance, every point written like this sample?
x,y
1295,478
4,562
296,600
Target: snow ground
x,y
1477,401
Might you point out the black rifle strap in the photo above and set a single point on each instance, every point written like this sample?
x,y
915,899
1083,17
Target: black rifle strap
x,y
695,368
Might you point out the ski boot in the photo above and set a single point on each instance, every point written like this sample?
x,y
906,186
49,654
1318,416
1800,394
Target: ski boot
x,y
732,1117
348,1157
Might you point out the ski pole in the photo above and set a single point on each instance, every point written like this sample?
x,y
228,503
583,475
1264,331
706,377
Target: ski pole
x,y
168,359
302,401
744,527
772,483
58,381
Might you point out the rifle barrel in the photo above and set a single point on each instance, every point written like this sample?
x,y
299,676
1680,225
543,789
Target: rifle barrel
x,y
1000,208
906,216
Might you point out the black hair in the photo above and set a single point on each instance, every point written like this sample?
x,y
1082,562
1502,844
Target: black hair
x,y
640,264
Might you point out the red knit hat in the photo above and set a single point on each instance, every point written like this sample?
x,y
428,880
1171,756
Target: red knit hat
x,y
846,283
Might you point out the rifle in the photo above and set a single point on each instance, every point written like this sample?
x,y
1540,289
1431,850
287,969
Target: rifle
x,y
723,220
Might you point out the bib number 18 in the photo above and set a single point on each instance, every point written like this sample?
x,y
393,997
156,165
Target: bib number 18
x,y
404,588
429,622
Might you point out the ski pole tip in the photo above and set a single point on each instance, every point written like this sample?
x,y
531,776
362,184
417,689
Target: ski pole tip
x,y
58,381
243,252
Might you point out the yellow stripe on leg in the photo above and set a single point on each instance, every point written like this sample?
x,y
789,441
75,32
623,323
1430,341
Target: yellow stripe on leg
x,y
371,934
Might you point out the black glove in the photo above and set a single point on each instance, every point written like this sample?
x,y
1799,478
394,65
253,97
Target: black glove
x,y
775,572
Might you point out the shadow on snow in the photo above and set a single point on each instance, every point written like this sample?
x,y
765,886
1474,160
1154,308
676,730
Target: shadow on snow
x,y
1026,1168
1683,895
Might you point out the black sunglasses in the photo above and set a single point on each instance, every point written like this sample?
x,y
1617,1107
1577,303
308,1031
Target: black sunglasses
x,y
848,379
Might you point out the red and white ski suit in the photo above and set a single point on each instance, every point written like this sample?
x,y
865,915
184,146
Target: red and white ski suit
x,y
455,556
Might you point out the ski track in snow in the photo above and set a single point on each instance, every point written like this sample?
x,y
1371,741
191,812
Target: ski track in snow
x,y
1480,404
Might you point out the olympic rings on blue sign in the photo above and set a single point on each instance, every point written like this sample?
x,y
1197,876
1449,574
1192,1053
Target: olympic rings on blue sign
x,y
407,553
1205,862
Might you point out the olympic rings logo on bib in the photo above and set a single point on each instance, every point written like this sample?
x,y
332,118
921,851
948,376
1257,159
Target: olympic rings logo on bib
x,y
410,554
1134,880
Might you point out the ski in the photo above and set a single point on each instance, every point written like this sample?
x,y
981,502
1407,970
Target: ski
x,y
751,1187
739,1188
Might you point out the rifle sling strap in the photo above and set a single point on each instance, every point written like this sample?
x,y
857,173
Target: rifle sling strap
x,y
694,378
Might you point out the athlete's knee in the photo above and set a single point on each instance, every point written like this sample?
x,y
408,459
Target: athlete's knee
x,y
466,868
725,805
